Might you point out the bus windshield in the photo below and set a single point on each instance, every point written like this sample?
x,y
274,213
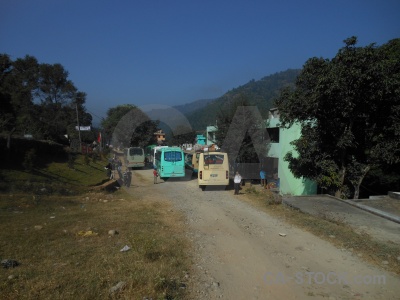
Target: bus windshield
x,y
172,156
213,159
135,151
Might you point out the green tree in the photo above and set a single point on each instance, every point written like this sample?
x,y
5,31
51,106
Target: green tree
x,y
348,108
18,81
59,99
38,98
129,126
182,135
114,115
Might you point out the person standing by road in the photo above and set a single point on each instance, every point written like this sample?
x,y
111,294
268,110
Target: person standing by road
x,y
155,174
263,178
237,180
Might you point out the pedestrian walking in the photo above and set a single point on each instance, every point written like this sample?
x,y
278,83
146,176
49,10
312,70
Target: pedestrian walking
x,y
236,181
155,174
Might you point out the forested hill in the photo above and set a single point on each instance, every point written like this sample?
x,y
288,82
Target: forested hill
x,y
260,93
192,106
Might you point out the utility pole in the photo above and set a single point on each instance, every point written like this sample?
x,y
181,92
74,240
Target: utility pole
x,y
79,127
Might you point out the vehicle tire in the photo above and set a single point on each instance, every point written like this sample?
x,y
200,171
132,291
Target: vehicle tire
x,y
203,187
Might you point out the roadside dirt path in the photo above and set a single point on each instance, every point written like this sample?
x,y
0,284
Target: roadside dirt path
x,y
240,254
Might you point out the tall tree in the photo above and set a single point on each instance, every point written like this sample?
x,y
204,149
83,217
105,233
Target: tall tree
x,y
128,126
18,81
348,108
39,99
58,100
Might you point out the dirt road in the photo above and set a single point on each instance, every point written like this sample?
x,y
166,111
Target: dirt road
x,y
242,253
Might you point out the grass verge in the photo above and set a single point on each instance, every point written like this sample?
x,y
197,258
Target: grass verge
x,y
65,250
330,229
63,238
55,178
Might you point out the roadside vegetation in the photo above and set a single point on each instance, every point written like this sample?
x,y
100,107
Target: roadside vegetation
x,y
329,228
66,237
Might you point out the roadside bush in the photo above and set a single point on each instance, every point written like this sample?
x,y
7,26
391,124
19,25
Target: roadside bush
x,y
94,157
29,160
272,198
71,160
86,159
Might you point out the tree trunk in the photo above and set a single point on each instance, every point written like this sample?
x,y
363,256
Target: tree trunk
x,y
338,192
357,187
9,138
9,143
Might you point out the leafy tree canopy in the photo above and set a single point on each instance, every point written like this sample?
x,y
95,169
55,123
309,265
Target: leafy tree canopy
x,y
129,126
182,135
39,99
349,109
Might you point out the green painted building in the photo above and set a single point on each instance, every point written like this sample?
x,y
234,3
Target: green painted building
x,y
279,146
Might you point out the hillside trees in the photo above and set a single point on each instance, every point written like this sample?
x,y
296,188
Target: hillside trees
x,y
182,135
241,131
260,93
349,109
39,99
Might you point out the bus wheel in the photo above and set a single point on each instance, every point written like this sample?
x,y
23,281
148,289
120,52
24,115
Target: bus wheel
x,y
203,187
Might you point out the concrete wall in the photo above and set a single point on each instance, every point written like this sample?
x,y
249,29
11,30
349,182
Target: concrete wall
x,y
210,135
288,183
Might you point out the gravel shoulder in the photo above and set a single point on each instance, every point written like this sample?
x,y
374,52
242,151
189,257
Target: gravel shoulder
x,y
240,252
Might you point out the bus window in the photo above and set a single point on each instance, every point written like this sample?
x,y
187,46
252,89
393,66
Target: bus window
x,y
213,159
134,157
172,156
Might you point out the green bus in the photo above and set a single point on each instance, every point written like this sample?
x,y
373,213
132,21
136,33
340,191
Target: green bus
x,y
170,162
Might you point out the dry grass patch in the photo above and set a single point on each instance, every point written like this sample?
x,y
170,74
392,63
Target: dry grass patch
x,y
58,261
330,228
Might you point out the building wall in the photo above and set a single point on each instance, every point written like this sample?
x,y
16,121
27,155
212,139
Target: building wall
x,y
288,183
210,135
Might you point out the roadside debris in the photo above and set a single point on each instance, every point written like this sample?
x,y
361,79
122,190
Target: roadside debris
x,y
282,234
9,263
116,288
125,248
112,232
87,233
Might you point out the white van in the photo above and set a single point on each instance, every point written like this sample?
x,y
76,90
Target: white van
x,y
213,169
134,157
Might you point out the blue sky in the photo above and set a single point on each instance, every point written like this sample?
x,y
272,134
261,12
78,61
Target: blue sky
x,y
175,52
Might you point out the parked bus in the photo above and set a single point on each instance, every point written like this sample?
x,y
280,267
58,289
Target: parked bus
x,y
169,162
213,169
192,160
134,157
153,156
149,153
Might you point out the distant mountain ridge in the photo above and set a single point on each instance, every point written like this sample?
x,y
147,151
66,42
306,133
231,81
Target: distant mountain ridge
x,y
192,106
260,93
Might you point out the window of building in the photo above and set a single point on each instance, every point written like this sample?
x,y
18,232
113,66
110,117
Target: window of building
x,y
272,134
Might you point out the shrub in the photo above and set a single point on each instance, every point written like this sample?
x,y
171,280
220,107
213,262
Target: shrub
x,y
29,160
86,159
71,160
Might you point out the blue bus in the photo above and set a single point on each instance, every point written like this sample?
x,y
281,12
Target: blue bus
x,y
170,162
